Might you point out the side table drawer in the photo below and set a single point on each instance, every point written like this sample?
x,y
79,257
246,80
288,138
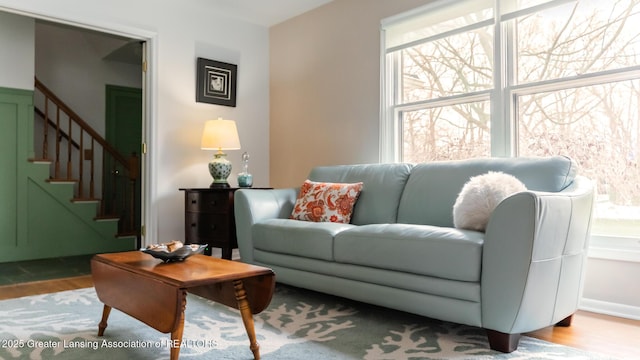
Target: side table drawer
x,y
203,225
207,202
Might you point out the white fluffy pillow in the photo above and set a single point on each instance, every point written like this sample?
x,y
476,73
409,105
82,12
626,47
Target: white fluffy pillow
x,y
480,196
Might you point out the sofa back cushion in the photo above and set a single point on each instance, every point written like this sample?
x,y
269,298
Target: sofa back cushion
x,y
382,188
433,187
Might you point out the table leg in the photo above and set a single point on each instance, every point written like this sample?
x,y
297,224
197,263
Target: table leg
x,y
106,310
176,335
247,318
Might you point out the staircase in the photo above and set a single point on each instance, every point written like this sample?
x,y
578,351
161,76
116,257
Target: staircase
x,y
96,180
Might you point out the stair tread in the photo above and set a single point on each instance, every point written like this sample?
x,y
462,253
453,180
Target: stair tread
x,y
126,234
41,161
85,200
107,217
62,180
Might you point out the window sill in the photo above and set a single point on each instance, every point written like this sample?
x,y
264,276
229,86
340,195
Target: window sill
x,y
615,248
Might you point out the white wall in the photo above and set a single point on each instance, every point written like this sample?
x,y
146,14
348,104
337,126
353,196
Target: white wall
x,y
178,33
612,286
16,51
71,63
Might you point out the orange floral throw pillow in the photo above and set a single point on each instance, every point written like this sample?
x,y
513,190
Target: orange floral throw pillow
x,y
326,202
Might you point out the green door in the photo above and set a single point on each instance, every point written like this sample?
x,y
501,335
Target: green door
x,y
123,130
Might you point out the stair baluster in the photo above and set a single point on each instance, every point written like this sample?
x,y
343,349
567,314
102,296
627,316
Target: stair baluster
x,y
45,127
56,173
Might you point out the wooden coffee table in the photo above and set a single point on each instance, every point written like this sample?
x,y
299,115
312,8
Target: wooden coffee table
x,y
156,293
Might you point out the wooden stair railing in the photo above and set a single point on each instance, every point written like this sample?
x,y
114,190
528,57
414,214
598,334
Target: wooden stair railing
x,y
76,142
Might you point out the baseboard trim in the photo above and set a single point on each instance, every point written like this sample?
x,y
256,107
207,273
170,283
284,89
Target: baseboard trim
x,y
609,308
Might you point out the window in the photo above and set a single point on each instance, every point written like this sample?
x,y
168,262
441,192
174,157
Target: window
x,y
525,78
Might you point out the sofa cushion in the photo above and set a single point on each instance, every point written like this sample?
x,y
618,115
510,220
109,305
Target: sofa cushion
x,y
439,183
383,186
293,237
326,202
418,249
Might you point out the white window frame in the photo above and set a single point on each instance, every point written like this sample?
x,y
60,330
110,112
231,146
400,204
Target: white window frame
x,y
503,118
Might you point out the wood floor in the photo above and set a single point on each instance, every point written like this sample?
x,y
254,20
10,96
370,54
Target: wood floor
x,y
608,335
44,287
604,334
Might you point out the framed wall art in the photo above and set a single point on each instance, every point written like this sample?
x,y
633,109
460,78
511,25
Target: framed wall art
x,y
216,82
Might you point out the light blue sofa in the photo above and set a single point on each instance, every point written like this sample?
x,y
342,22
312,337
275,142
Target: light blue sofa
x,y
402,251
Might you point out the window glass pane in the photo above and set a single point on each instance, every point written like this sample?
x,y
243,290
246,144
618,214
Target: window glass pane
x,y
440,63
599,127
446,133
578,38
455,65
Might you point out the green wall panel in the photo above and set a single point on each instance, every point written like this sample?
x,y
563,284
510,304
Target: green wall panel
x,y
37,218
69,232
15,107
8,169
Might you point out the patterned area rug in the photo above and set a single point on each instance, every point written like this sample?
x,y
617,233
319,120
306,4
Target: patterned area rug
x,y
298,324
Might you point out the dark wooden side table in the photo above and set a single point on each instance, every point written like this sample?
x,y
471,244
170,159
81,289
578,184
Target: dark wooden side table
x,y
209,218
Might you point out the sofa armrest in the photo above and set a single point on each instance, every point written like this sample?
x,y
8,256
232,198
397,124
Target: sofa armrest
x,y
254,205
534,256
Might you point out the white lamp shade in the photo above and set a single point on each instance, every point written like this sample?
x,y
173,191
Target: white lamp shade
x,y
220,135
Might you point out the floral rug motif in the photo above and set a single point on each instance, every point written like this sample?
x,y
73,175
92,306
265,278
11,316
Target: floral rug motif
x,y
299,324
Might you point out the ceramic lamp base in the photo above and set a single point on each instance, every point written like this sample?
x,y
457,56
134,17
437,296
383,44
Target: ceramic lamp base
x,y
220,169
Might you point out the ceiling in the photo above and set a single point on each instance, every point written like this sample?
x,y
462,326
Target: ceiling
x,y
265,12
260,12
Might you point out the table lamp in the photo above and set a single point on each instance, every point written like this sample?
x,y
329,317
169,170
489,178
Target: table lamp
x,y
220,135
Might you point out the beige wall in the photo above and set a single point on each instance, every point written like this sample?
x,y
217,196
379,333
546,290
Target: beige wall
x,y
325,87
324,110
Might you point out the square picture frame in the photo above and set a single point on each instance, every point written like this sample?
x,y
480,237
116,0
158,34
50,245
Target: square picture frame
x,y
216,82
